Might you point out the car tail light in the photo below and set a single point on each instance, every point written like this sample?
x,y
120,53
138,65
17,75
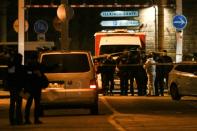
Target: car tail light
x,y
93,84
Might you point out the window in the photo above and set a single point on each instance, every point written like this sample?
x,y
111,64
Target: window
x,y
66,63
108,49
187,68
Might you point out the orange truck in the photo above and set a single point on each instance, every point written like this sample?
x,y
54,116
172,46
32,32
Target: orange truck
x,y
115,41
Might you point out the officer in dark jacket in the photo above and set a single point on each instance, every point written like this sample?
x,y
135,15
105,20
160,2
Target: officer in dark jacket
x,y
107,70
15,84
133,61
34,84
162,70
122,62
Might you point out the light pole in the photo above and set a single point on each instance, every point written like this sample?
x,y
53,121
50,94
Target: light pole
x,y
21,31
63,12
179,34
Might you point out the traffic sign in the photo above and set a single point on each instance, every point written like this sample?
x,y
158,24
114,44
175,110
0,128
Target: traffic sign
x,y
16,25
179,22
119,13
41,26
113,23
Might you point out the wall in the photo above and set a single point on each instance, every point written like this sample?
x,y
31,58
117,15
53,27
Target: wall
x,y
190,31
147,17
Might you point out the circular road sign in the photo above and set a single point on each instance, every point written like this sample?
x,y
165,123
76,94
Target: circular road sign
x,y
40,26
16,25
179,22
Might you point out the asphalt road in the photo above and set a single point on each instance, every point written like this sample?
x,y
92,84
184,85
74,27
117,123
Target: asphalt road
x,y
123,113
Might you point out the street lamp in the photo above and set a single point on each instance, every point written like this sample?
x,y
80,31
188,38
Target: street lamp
x,y
61,12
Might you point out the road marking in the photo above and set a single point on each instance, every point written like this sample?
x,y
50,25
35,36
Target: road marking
x,y
111,118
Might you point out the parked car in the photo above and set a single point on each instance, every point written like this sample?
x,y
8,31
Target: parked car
x,y
72,80
183,80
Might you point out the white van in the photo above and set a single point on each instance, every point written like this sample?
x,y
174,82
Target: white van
x,y
72,80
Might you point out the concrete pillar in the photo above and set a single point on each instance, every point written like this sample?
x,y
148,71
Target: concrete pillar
x,y
161,5
21,32
179,34
64,30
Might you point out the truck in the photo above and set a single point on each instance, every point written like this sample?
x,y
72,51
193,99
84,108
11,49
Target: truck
x,y
114,42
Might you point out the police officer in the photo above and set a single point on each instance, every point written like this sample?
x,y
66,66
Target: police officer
x,y
107,73
15,83
34,74
133,61
162,72
122,62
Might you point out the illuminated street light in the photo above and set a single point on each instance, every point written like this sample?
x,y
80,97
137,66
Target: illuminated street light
x,y
61,12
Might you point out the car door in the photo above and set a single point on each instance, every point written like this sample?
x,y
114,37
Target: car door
x,y
182,79
192,78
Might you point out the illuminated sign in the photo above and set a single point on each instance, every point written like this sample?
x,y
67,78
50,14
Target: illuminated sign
x,y
119,13
113,23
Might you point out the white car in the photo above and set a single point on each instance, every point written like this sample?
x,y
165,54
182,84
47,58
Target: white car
x,y
72,80
183,80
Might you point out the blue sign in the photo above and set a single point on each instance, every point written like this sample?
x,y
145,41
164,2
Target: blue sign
x,y
41,26
179,22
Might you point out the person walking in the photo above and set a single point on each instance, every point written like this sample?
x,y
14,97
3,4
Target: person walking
x,y
150,68
34,76
15,84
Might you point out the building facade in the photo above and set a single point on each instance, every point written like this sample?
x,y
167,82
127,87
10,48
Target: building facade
x,y
86,21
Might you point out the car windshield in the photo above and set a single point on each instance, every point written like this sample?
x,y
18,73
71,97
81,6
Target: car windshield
x,y
108,49
65,63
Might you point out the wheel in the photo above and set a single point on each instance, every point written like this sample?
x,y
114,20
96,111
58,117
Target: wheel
x,y
174,92
94,109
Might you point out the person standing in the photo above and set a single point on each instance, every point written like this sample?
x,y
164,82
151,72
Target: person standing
x,y
122,64
167,60
34,75
150,68
141,76
159,80
107,70
133,61
162,70
15,84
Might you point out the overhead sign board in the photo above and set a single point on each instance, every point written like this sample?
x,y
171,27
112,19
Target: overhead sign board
x,y
113,23
119,13
179,22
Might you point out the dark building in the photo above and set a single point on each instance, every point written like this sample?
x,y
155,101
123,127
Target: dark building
x,y
86,21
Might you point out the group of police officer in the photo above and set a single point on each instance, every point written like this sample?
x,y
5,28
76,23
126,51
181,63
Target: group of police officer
x,y
128,66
